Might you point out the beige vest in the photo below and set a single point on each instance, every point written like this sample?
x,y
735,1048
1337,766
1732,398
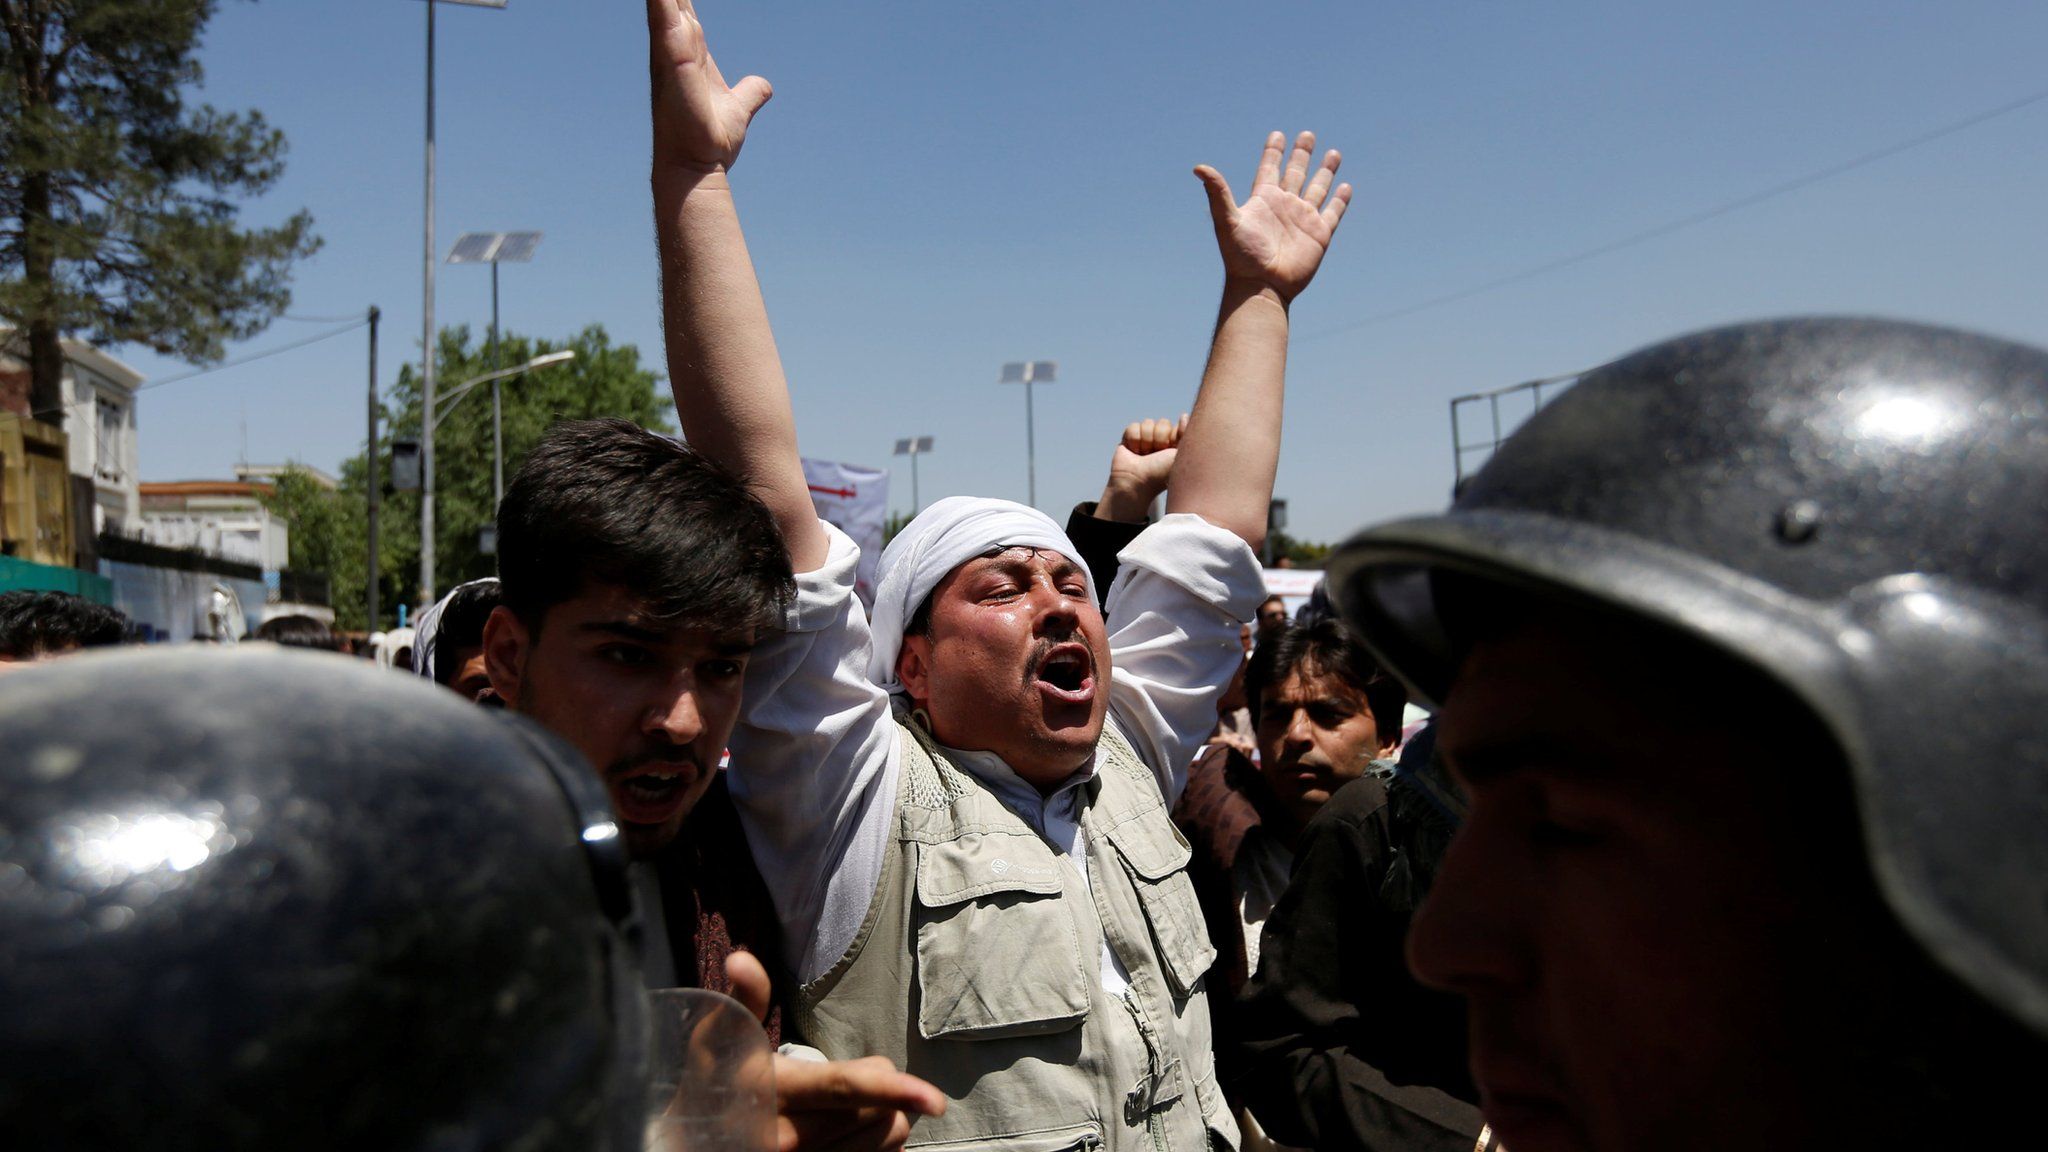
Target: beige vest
x,y
979,968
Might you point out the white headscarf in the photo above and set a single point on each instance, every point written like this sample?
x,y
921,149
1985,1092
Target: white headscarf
x,y
426,639
941,538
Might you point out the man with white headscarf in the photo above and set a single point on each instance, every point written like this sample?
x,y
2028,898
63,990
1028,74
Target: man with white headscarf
x,y
962,812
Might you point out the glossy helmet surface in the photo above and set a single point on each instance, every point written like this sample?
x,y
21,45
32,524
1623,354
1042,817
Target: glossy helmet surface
x,y
1856,508
262,900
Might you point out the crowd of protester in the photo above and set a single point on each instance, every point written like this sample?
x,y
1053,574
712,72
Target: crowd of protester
x,y
1724,829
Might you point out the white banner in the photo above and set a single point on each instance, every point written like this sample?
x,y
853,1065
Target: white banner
x,y
1293,585
856,501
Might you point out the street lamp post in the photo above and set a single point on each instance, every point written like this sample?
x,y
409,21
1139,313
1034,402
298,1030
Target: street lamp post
x,y
1027,373
374,488
495,248
427,324
456,394
914,447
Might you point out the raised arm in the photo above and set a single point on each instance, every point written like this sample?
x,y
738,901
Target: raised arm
x,y
731,397
1272,245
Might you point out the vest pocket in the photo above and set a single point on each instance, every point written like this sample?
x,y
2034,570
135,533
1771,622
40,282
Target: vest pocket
x,y
997,950
1156,856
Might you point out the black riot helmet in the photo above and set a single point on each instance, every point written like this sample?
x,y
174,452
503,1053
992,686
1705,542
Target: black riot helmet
x,y
1857,509
263,900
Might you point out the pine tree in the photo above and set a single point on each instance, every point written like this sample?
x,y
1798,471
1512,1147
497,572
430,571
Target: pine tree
x,y
117,199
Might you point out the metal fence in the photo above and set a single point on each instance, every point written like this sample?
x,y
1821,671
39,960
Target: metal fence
x,y
1482,420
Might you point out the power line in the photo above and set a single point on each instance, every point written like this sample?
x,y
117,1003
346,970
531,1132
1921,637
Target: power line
x,y
325,319
1680,224
224,366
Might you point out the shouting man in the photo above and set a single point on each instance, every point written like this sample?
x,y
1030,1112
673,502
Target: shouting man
x,y
963,811
636,578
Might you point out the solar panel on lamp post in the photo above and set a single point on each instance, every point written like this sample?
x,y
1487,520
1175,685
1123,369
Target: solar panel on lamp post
x,y
426,589
1027,373
495,248
914,447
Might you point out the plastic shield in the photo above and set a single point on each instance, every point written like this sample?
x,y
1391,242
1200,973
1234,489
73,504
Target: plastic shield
x,y
711,1075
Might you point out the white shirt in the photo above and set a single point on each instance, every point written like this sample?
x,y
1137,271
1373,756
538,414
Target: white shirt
x,y
814,763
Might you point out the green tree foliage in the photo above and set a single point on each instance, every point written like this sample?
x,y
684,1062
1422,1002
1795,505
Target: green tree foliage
x,y
1303,553
117,198
330,530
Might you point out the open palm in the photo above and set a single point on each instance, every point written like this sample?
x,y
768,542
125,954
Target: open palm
x,y
699,122
1277,237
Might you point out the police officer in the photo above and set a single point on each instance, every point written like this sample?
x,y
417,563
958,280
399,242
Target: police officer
x,y
270,900
1741,648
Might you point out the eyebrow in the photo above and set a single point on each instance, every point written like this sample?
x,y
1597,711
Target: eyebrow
x,y
1008,564
1311,702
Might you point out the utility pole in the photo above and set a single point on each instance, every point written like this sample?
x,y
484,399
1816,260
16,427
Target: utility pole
x,y
497,408
426,592
373,476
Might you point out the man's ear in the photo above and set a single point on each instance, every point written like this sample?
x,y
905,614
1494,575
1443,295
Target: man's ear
x,y
914,668
507,644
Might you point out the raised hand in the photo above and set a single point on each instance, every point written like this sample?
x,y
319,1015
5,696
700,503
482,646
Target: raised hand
x,y
1140,469
699,122
1278,236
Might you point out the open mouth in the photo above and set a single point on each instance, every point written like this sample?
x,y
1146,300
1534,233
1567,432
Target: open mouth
x,y
652,794
1067,673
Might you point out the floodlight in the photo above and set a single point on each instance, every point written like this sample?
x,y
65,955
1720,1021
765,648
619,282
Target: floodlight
x,y
1027,373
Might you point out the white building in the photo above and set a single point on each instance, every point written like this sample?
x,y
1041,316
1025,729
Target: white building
x,y
225,518
229,519
99,419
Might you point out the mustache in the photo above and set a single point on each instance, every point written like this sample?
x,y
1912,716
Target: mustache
x,y
1044,645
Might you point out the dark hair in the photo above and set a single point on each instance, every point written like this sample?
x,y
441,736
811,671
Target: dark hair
x,y
298,631
1326,647
462,625
608,502
33,623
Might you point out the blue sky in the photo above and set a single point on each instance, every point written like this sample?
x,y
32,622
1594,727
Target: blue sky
x,y
939,187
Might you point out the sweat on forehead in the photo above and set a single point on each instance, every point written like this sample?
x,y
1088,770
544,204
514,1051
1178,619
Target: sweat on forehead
x,y
946,535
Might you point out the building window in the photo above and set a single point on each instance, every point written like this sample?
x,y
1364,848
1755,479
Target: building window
x,y
107,457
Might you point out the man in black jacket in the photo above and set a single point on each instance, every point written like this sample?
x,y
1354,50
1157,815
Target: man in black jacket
x,y
1341,1047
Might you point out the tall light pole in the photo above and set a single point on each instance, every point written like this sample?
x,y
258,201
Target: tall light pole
x,y
374,477
461,390
914,447
495,248
1027,373
427,326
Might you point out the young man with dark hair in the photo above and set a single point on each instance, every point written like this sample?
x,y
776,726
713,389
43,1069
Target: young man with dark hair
x,y
1324,715
1323,711
45,625
448,643
1272,613
964,808
1742,650
636,577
